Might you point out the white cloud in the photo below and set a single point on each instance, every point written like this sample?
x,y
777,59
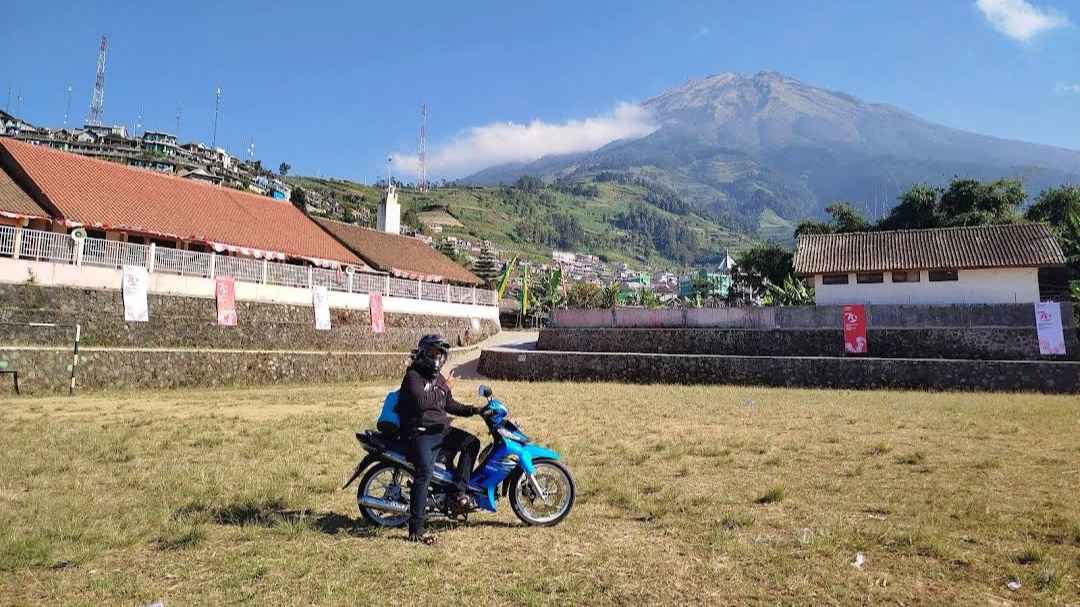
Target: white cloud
x,y
497,143
1067,89
1019,19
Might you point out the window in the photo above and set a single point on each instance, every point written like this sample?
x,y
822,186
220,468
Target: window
x,y
834,279
943,275
869,278
906,276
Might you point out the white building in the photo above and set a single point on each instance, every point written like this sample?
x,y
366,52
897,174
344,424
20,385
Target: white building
x,y
986,264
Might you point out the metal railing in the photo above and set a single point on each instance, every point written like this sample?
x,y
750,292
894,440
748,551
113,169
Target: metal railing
x,y
38,245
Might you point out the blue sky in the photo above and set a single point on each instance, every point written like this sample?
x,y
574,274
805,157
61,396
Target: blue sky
x,y
334,89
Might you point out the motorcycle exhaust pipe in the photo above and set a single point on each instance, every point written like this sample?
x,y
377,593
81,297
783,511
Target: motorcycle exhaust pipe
x,y
385,505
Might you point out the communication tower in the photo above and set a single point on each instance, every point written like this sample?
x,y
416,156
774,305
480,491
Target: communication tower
x,y
421,171
97,98
217,109
67,105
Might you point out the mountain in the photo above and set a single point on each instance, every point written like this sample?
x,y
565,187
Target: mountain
x,y
766,148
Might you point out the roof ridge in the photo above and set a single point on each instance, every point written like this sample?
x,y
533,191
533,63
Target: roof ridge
x,y
1021,223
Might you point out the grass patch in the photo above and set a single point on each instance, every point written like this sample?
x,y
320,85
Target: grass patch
x,y
912,459
1030,555
230,496
774,495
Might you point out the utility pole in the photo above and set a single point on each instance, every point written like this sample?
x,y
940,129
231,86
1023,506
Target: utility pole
x,y
67,105
217,109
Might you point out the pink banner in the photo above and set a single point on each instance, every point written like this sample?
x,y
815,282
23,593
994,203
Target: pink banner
x,y
375,303
225,291
855,329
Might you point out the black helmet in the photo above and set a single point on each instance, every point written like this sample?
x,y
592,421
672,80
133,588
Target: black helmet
x,y
430,353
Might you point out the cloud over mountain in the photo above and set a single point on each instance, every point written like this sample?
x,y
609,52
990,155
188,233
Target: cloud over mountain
x,y
507,142
1019,19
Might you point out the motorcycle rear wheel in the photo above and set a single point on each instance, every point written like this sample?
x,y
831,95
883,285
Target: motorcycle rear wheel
x,y
389,482
558,486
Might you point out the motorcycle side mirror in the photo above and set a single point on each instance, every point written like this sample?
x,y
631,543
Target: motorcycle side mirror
x,y
485,391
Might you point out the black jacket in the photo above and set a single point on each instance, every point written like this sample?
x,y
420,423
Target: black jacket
x,y
425,401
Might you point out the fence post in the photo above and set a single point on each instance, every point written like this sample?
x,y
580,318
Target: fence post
x,y
419,289
474,295
79,244
150,257
310,272
447,292
348,286
266,267
386,287
213,265
17,244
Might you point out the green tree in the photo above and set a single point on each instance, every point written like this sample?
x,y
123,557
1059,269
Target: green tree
x,y
298,198
529,183
760,265
585,295
283,169
843,218
1055,205
917,209
793,292
487,266
611,295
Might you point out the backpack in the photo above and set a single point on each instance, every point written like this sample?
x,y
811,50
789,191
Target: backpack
x,y
389,421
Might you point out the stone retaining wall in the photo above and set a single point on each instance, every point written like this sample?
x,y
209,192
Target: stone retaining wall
x,y
49,371
998,343
180,322
810,372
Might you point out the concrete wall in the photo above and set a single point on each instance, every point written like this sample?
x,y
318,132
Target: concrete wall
x,y
816,372
46,274
999,285
809,317
986,343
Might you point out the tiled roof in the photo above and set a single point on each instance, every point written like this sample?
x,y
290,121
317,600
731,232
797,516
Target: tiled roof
x,y
96,193
1003,246
14,202
399,255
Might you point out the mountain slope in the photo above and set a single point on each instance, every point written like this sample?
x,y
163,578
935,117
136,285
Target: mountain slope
x,y
739,146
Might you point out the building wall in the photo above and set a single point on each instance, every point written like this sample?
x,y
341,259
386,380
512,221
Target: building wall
x,y
45,274
1000,285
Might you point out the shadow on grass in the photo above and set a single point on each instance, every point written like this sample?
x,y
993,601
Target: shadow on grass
x,y
273,513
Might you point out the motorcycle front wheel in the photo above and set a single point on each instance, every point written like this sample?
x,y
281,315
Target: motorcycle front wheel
x,y
385,482
558,487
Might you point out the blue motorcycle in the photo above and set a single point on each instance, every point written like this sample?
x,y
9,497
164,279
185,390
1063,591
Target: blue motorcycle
x,y
540,488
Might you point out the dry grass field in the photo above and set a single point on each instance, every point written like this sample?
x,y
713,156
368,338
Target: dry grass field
x,y
687,496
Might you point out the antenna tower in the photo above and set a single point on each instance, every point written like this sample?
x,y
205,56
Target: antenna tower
x,y
179,109
97,98
421,171
67,105
217,108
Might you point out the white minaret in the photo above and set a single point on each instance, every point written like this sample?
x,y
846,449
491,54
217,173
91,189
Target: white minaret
x,y
389,212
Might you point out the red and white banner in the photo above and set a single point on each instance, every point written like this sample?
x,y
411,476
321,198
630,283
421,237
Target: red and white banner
x,y
375,304
855,329
225,292
1048,326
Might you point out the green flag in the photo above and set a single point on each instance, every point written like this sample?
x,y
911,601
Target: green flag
x,y
504,280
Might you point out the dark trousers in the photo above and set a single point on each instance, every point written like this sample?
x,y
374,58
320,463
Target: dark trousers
x,y
424,447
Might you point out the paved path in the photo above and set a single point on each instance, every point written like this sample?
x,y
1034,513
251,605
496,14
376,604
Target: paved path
x,y
466,368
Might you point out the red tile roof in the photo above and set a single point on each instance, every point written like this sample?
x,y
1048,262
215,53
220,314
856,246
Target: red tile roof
x,y
399,255
14,202
96,193
1005,246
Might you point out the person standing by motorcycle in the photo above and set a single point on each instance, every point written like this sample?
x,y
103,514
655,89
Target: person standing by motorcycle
x,y
425,399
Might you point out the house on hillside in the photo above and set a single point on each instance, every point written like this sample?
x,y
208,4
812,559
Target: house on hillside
x,y
985,264
397,255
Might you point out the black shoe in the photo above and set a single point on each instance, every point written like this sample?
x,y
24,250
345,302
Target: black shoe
x,y
427,539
